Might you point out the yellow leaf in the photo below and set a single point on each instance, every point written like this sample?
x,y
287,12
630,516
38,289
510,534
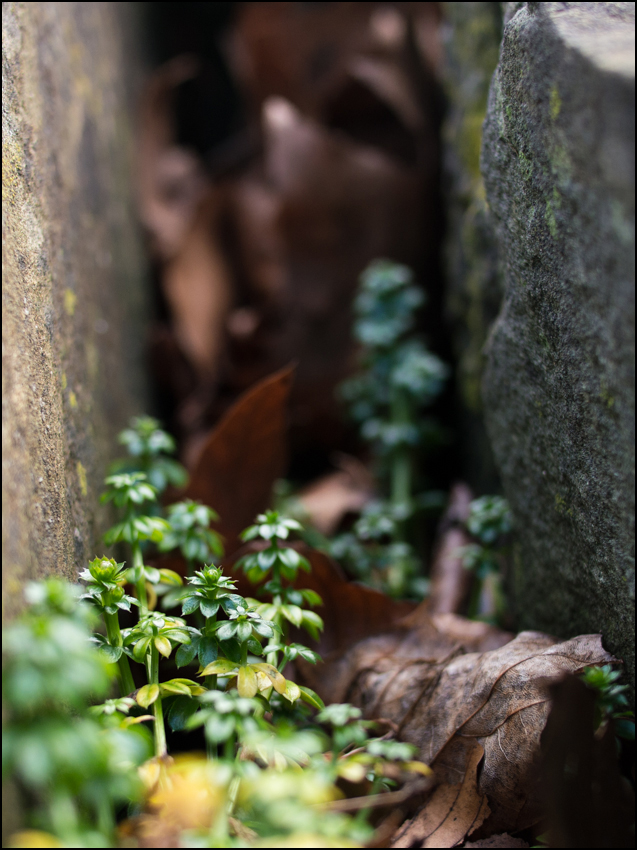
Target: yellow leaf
x,y
147,695
247,682
277,679
163,645
33,838
220,667
418,767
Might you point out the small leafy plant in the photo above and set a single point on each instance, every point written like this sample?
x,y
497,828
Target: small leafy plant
x,y
399,377
74,767
611,701
267,762
489,522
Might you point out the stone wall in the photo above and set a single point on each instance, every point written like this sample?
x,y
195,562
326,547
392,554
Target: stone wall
x,y
471,35
558,390
72,277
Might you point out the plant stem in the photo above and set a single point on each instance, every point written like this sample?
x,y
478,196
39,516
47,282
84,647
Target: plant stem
x,y
140,586
401,464
124,675
160,729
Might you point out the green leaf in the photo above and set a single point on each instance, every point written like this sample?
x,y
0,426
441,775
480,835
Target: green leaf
x,y
265,629
220,667
207,651
247,681
311,597
266,558
311,697
250,533
181,710
219,728
292,691
292,613
625,729
152,575
140,649
111,653
227,630
189,605
231,649
208,609
186,653
244,631
147,695
289,557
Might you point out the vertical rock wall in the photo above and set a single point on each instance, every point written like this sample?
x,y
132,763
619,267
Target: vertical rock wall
x,y
471,34
558,165
72,277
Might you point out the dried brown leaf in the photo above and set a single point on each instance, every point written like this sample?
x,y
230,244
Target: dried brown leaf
x,y
445,699
243,456
198,287
327,500
451,813
502,840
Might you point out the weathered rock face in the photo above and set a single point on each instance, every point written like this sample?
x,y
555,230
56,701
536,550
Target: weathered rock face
x,y
471,34
73,278
558,165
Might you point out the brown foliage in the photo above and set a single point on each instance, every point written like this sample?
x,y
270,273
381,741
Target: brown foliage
x,y
243,456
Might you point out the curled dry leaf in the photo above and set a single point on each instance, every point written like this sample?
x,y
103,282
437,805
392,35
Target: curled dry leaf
x,y
327,500
462,709
198,288
243,456
502,840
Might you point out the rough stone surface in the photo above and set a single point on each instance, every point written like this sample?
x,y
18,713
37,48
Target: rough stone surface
x,y
72,278
471,35
558,163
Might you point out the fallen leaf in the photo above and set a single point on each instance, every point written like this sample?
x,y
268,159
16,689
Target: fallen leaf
x,y
198,288
450,581
587,803
502,840
243,456
325,502
445,699
451,813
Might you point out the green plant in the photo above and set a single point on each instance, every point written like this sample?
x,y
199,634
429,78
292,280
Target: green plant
x,y
611,702
398,378
189,531
287,605
489,522
73,769
130,491
265,756
148,447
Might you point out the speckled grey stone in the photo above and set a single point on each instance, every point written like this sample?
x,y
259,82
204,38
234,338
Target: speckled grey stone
x,y
558,165
73,278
